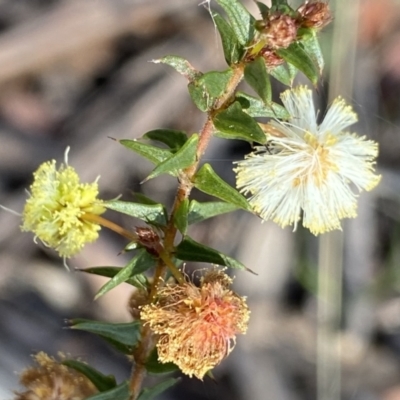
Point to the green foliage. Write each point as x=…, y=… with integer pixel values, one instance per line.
x=284, y=73
x=123, y=336
x=190, y=250
x=137, y=280
x=209, y=182
x=257, y=108
x=138, y=264
x=311, y=46
x=234, y=123
x=233, y=50
x=150, y=393
x=120, y=392
x=153, y=366
x=101, y=381
x=256, y=76
x=154, y=214
x=180, y=65
x=201, y=211
x=296, y=55
x=155, y=154
x=181, y=216
x=182, y=159
x=241, y=20
x=172, y=138
x=205, y=89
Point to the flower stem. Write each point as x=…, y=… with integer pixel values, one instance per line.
x=182, y=193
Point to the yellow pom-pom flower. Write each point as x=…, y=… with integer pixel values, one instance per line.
x=197, y=326
x=57, y=206
x=308, y=168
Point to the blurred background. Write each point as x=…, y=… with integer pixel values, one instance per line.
x=76, y=72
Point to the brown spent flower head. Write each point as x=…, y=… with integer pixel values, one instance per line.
x=50, y=380
x=280, y=31
x=197, y=326
x=315, y=14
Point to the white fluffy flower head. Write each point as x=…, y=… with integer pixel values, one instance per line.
x=309, y=168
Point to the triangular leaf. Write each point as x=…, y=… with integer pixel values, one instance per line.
x=138, y=280
x=152, y=153
x=201, y=211
x=234, y=123
x=313, y=49
x=153, y=366
x=208, y=87
x=123, y=336
x=172, y=138
x=150, y=393
x=256, y=76
x=241, y=20
x=121, y=392
x=154, y=214
x=209, y=182
x=140, y=263
x=233, y=50
x=257, y=108
x=264, y=9
x=297, y=56
x=190, y=250
x=182, y=159
x=101, y=381
x=180, y=65
x=181, y=216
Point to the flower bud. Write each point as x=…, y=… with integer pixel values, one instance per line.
x=280, y=31
x=315, y=14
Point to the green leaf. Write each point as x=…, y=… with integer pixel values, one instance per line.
x=208, y=87
x=180, y=65
x=101, y=381
x=121, y=392
x=256, y=76
x=182, y=159
x=257, y=108
x=140, y=263
x=152, y=153
x=138, y=280
x=264, y=9
x=241, y=20
x=209, y=182
x=142, y=199
x=313, y=49
x=190, y=250
x=234, y=123
x=297, y=56
x=282, y=74
x=172, y=138
x=181, y=216
x=154, y=214
x=200, y=211
x=233, y=50
x=123, y=336
x=150, y=393
x=153, y=366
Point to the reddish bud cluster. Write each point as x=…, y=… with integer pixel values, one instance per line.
x=280, y=30
x=315, y=15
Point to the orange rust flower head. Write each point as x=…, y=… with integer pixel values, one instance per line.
x=50, y=380
x=197, y=326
